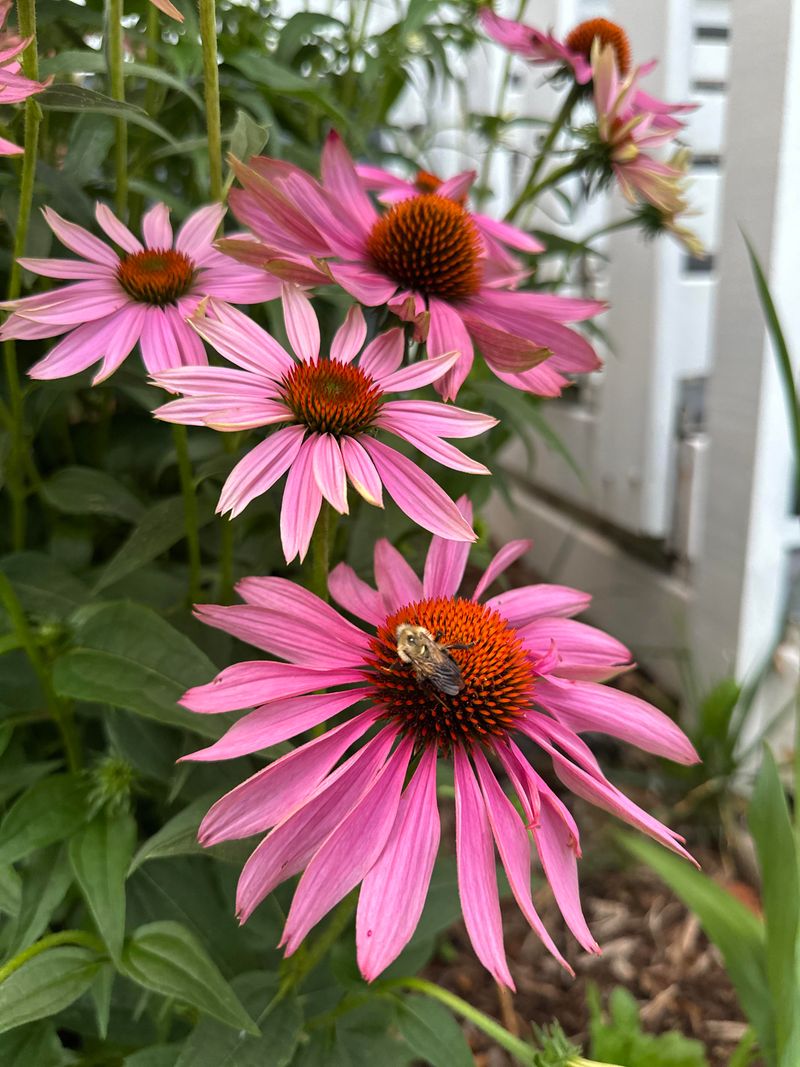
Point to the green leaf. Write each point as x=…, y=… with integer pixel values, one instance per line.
x=45, y=884
x=265, y=71
x=161, y=527
x=734, y=929
x=36, y=1045
x=178, y=836
x=433, y=1034
x=85, y=62
x=155, y=1056
x=212, y=1045
x=297, y=28
x=50, y=811
x=129, y=657
x=100, y=856
x=76, y=98
x=247, y=137
x=166, y=958
x=772, y=832
x=87, y=491
x=101, y=991
x=44, y=586
x=717, y=709
x=45, y=985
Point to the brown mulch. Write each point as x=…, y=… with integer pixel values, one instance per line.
x=651, y=945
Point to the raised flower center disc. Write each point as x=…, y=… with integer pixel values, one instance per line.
x=580, y=40
x=332, y=397
x=496, y=671
x=156, y=276
x=428, y=244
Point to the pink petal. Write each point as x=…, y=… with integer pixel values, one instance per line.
x=329, y=472
x=477, y=882
x=196, y=234
x=366, y=285
x=276, y=722
x=581, y=648
x=301, y=503
x=159, y=346
x=76, y=352
x=528, y=602
x=302, y=326
x=80, y=241
x=348, y=853
x=457, y=187
x=447, y=333
x=361, y=471
x=8, y=148
x=116, y=230
x=417, y=375
x=168, y=8
x=447, y=560
x=504, y=351
x=236, y=337
x=339, y=178
x=248, y=288
x=156, y=228
x=216, y=382
x=349, y=338
x=255, y=682
x=289, y=847
x=383, y=355
x=417, y=494
x=507, y=555
x=118, y=344
x=65, y=268
x=271, y=794
x=513, y=844
x=397, y=583
x=508, y=234
x=260, y=469
x=355, y=596
x=226, y=414
x=446, y=454
x=441, y=420
x=586, y=706
x=191, y=350
x=74, y=305
x=394, y=889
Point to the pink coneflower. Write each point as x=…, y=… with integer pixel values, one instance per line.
x=143, y=293
x=329, y=410
x=14, y=87
x=527, y=676
x=425, y=257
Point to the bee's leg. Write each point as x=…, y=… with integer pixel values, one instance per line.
x=459, y=645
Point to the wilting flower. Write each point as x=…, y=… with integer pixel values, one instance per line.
x=329, y=410
x=655, y=222
x=143, y=293
x=425, y=257
x=14, y=87
x=527, y=673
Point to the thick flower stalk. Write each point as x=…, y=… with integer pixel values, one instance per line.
x=519, y=673
x=426, y=257
x=14, y=86
x=142, y=293
x=328, y=411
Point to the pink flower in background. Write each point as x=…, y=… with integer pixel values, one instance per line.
x=525, y=672
x=14, y=87
x=143, y=293
x=328, y=410
x=425, y=257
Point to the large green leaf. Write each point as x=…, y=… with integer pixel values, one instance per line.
x=86, y=491
x=46, y=984
x=178, y=836
x=771, y=828
x=43, y=585
x=50, y=811
x=47, y=878
x=36, y=1045
x=166, y=958
x=432, y=1033
x=85, y=62
x=129, y=657
x=100, y=856
x=77, y=98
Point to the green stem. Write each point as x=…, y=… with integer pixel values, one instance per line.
x=180, y=439
x=530, y=187
x=302, y=965
x=612, y=227
x=63, y=937
x=208, y=39
x=116, y=80
x=26, y=14
x=321, y=552
x=505, y=74
x=60, y=710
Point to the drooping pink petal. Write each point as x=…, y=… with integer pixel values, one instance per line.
x=584, y=651
x=513, y=844
x=329, y=471
x=8, y=148
x=447, y=333
x=586, y=706
x=271, y=794
x=367, y=286
x=528, y=602
x=361, y=471
x=417, y=494
x=349, y=338
x=397, y=582
x=446, y=454
x=289, y=847
x=508, y=234
x=348, y=853
x=191, y=350
x=355, y=596
x=504, y=351
x=224, y=413
x=441, y=420
x=259, y=469
x=477, y=882
x=124, y=331
x=252, y=683
x=79, y=240
x=79, y=269
x=383, y=355
x=301, y=503
x=236, y=337
x=447, y=560
x=216, y=382
x=196, y=234
x=503, y=559
x=394, y=889
x=302, y=326
x=156, y=227
x=276, y=722
x=73, y=305
x=116, y=230
x=341, y=181
x=158, y=343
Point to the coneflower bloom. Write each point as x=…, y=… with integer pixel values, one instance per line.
x=342, y=815
x=425, y=257
x=14, y=87
x=328, y=411
x=144, y=292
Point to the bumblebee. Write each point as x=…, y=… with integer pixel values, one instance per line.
x=430, y=661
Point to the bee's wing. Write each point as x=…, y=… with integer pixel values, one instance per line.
x=445, y=675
